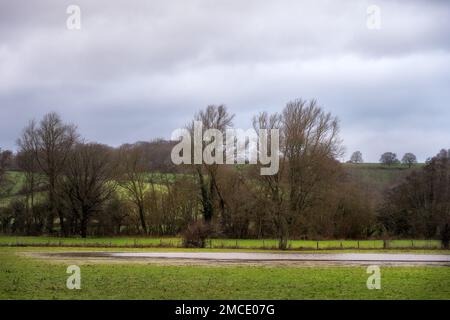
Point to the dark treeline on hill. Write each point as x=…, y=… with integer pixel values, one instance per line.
x=420, y=206
x=59, y=184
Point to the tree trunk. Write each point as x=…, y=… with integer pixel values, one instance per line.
x=142, y=218
x=445, y=236
x=283, y=235
x=84, y=223
x=61, y=223
x=52, y=208
x=208, y=210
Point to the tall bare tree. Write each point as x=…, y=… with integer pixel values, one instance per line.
x=213, y=117
x=27, y=162
x=309, y=145
x=270, y=192
x=134, y=178
x=89, y=181
x=52, y=141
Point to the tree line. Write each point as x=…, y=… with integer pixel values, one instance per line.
x=75, y=187
x=388, y=158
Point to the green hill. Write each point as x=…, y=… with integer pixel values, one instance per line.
x=376, y=178
x=373, y=177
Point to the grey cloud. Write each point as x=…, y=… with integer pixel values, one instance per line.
x=139, y=70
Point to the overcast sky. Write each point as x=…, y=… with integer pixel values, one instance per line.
x=137, y=70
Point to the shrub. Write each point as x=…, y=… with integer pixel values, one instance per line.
x=195, y=235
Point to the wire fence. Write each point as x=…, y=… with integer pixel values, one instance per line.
x=262, y=244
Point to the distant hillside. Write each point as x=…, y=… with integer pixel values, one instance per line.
x=376, y=178
x=373, y=178
x=13, y=188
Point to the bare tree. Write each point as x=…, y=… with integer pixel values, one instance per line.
x=134, y=178
x=213, y=117
x=409, y=159
x=309, y=145
x=52, y=141
x=356, y=157
x=27, y=162
x=89, y=181
x=271, y=192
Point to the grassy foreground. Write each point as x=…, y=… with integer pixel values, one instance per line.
x=29, y=278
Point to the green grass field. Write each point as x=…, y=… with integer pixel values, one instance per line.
x=219, y=243
x=376, y=177
x=30, y=278
x=15, y=182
